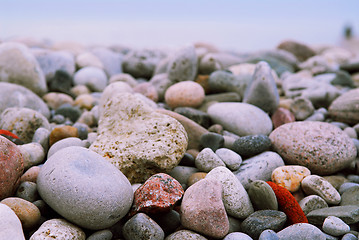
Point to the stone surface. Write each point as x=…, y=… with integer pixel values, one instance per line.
x=169, y=221
x=66, y=142
x=157, y=195
x=183, y=65
x=138, y=140
x=350, y=196
x=18, y=65
x=335, y=226
x=300, y=50
x=161, y=82
x=101, y=235
x=235, y=198
x=148, y=90
x=185, y=234
x=62, y=132
x=301, y=231
x=142, y=226
x=33, y=154
x=259, y=190
x=182, y=174
x=349, y=214
x=237, y=236
x=262, y=90
x=88, y=59
x=290, y=177
x=346, y=108
x=10, y=225
x=268, y=235
x=282, y=116
x=100, y=195
x=312, y=202
x=207, y=160
x=200, y=117
x=92, y=77
x=202, y=209
x=23, y=122
x=302, y=108
x=251, y=145
x=58, y=229
x=241, y=118
x=224, y=81
x=184, y=94
x=54, y=100
x=111, y=60
x=27, y=191
x=321, y=147
x=195, y=177
x=12, y=167
x=31, y=174
x=212, y=140
x=60, y=82
x=232, y=160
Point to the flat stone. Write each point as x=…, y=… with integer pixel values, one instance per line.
x=346, y=186
x=235, y=198
x=207, y=160
x=345, y=108
x=93, y=182
x=290, y=177
x=251, y=145
x=185, y=234
x=312, y=202
x=10, y=225
x=259, y=190
x=328, y=148
x=349, y=214
x=58, y=229
x=182, y=66
x=138, y=140
x=335, y=226
x=184, y=94
x=232, y=160
x=241, y=118
x=142, y=226
x=301, y=231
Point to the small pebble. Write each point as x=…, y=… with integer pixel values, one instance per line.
x=259, y=190
x=312, y=202
x=101, y=235
x=349, y=236
x=60, y=133
x=27, y=191
x=31, y=174
x=302, y=108
x=302, y=231
x=230, y=158
x=185, y=234
x=207, y=160
x=282, y=116
x=237, y=236
x=335, y=226
x=184, y=94
x=212, y=141
x=290, y=177
x=142, y=226
x=346, y=186
x=349, y=214
x=268, y=235
x=169, y=221
x=350, y=196
x=195, y=177
x=251, y=145
x=68, y=111
x=182, y=174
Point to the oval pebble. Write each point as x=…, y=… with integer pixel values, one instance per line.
x=345, y=108
x=185, y=94
x=101, y=235
x=212, y=140
x=268, y=235
x=259, y=190
x=207, y=160
x=185, y=234
x=301, y=231
x=251, y=145
x=237, y=236
x=282, y=116
x=183, y=65
x=290, y=177
x=10, y=225
x=27, y=191
x=142, y=226
x=92, y=77
x=335, y=226
x=230, y=158
x=312, y=202
x=60, y=133
x=63, y=143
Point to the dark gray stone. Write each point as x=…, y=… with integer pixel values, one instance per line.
x=251, y=145
x=349, y=214
x=141, y=227
x=350, y=196
x=101, y=235
x=169, y=222
x=187, y=160
x=200, y=117
x=60, y=82
x=27, y=191
x=212, y=140
x=69, y=111
x=225, y=81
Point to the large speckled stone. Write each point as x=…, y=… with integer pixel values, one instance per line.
x=138, y=140
x=58, y=229
x=321, y=147
x=346, y=107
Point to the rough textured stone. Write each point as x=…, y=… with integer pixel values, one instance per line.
x=58, y=229
x=349, y=214
x=321, y=147
x=183, y=65
x=346, y=108
x=207, y=160
x=259, y=190
x=138, y=140
x=312, y=202
x=184, y=94
x=10, y=225
x=142, y=226
x=251, y=145
x=202, y=209
x=301, y=231
x=232, y=160
x=290, y=177
x=84, y=188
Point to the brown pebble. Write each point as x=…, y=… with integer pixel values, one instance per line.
x=216, y=128
x=282, y=116
x=195, y=177
x=203, y=81
x=85, y=101
x=30, y=175
x=62, y=132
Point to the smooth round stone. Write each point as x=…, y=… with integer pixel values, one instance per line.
x=282, y=116
x=345, y=108
x=26, y=211
x=111, y=60
x=328, y=148
x=302, y=108
x=185, y=234
x=33, y=154
x=23, y=122
x=27, y=191
x=63, y=143
x=301, y=231
x=85, y=101
x=235, y=198
x=314, y=184
x=182, y=66
x=77, y=168
x=58, y=119
x=241, y=118
x=41, y=136
x=195, y=177
x=349, y=236
x=68, y=111
x=54, y=100
x=234, y=224
x=335, y=226
x=92, y=77
x=61, y=82
x=123, y=77
x=187, y=160
x=82, y=129
x=184, y=94
x=198, y=116
x=350, y=196
x=142, y=226
x=207, y=160
x=212, y=141
x=300, y=50
x=346, y=186
x=169, y=221
x=251, y=145
x=30, y=175
x=312, y=202
x=290, y=177
x=261, y=220
x=58, y=229
x=230, y=158
x=88, y=59
x=10, y=225
x=12, y=167
x=237, y=236
x=268, y=235
x=259, y=190
x=79, y=90
x=148, y=90
x=101, y=235
x=161, y=82
x=224, y=81
x=182, y=174
x=351, y=132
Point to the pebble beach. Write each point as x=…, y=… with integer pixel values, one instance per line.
x=118, y=143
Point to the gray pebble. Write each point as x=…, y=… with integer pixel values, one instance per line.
x=41, y=136
x=82, y=130
x=101, y=235
x=27, y=191
x=69, y=111
x=335, y=226
x=301, y=231
x=33, y=154
x=349, y=236
x=350, y=196
x=183, y=65
x=141, y=227
x=351, y=132
x=349, y=214
x=258, y=191
x=224, y=81
x=207, y=160
x=212, y=140
x=302, y=108
x=232, y=159
x=237, y=236
x=187, y=160
x=312, y=202
x=234, y=224
x=63, y=143
x=58, y=119
x=268, y=235
x=346, y=186
x=251, y=145
x=330, y=237
x=353, y=178
x=200, y=117
x=185, y=234
x=182, y=173
x=92, y=77
x=169, y=221
x=111, y=60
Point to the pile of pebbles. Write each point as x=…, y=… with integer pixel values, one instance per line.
x=198, y=143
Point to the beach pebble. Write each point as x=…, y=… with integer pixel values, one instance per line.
x=85, y=101
x=349, y=214
x=88, y=59
x=231, y=159
x=207, y=160
x=300, y=50
x=302, y=108
x=349, y=236
x=259, y=190
x=31, y=174
x=314, y=184
x=142, y=226
x=19, y=66
x=68, y=111
x=268, y=235
x=62, y=132
x=60, y=82
x=345, y=108
x=182, y=174
x=282, y=116
x=301, y=231
x=12, y=167
x=224, y=81
x=161, y=82
x=350, y=196
x=58, y=229
x=168, y=221
x=195, y=177
x=237, y=236
x=27, y=191
x=312, y=202
x=92, y=77
x=241, y=118
x=235, y=198
x=148, y=90
x=23, y=122
x=335, y=226
x=184, y=94
x=26, y=211
x=101, y=235
x=124, y=77
x=138, y=140
x=259, y=167
x=290, y=177
x=111, y=60
x=182, y=66
x=54, y=99
x=262, y=90
x=212, y=140
x=346, y=186
x=10, y=225
x=77, y=168
x=185, y=234
x=200, y=117
x=66, y=142
x=328, y=148
x=202, y=209
x=251, y=145
x=33, y=154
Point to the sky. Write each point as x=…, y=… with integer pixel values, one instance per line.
x=244, y=25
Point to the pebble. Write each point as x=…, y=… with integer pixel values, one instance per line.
x=312, y=202
x=200, y=117
x=61, y=82
x=301, y=231
x=124, y=77
x=336, y=180
x=268, y=235
x=147, y=90
x=231, y=159
x=182, y=174
x=349, y=214
x=144, y=143
x=78, y=90
x=58, y=229
x=224, y=81
x=300, y=50
x=54, y=100
x=185, y=234
x=202, y=209
x=185, y=94
x=12, y=167
x=235, y=198
x=328, y=148
x=349, y=236
x=302, y=108
x=251, y=145
x=31, y=174
x=262, y=90
x=63, y=132
x=314, y=184
x=21, y=67
x=85, y=101
x=241, y=118
x=111, y=60
x=142, y=226
x=41, y=136
x=259, y=190
x=33, y=154
x=92, y=77
x=335, y=226
x=168, y=221
x=68, y=111
x=261, y=220
x=345, y=108
x=195, y=177
x=161, y=82
x=259, y=167
x=183, y=65
x=237, y=236
x=290, y=177
x=77, y=168
x=282, y=116
x=350, y=196
x=26, y=211
x=63, y=143
x=101, y=235
x=88, y=59
x=207, y=160
x=346, y=186
x=27, y=191
x=222, y=97
x=10, y=225
x=212, y=140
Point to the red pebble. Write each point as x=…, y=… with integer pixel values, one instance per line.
x=288, y=204
x=158, y=194
x=282, y=116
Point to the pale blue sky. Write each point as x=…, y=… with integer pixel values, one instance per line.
x=228, y=24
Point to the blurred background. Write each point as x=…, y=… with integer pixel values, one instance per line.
x=228, y=24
